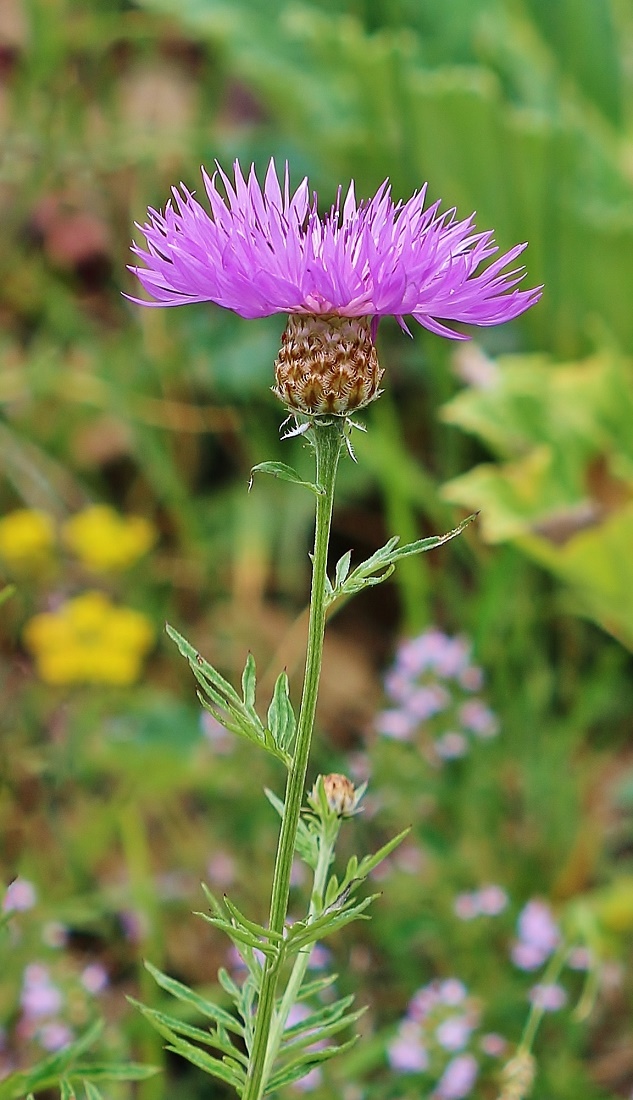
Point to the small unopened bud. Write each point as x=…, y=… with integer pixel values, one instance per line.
x=340, y=794
x=327, y=364
x=517, y=1077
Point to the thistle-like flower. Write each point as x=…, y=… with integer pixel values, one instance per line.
x=268, y=251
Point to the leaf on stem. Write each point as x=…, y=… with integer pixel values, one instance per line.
x=382, y=563
x=219, y=697
x=281, y=720
x=285, y=473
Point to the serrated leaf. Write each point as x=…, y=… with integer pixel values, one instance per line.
x=285, y=473
x=281, y=716
x=195, y=1001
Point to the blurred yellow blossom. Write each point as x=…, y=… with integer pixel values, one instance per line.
x=103, y=540
x=27, y=537
x=89, y=640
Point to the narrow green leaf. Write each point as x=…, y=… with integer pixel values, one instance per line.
x=281, y=716
x=124, y=1071
x=302, y=1066
x=325, y=1032
x=229, y=986
x=367, y=864
x=240, y=935
x=195, y=1001
x=203, y=667
x=168, y=1025
x=249, y=682
x=208, y=1063
x=66, y=1090
x=327, y=1014
x=92, y=1092
x=342, y=569
x=252, y=926
x=312, y=989
x=285, y=473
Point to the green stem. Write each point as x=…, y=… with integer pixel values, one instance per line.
x=328, y=439
x=326, y=848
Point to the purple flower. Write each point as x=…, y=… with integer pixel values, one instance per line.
x=55, y=1036
x=550, y=997
x=20, y=896
x=454, y=1032
x=458, y=1078
x=268, y=251
x=94, y=978
x=407, y=1053
x=538, y=935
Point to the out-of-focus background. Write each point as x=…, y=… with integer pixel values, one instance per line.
x=126, y=440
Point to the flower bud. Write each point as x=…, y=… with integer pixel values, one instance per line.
x=340, y=793
x=327, y=365
x=518, y=1077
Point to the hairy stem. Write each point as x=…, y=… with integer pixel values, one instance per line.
x=328, y=439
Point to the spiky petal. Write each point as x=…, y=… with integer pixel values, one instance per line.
x=264, y=251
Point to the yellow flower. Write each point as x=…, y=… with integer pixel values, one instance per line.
x=89, y=640
x=27, y=537
x=104, y=540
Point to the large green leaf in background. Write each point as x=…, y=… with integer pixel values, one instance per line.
x=562, y=489
x=510, y=110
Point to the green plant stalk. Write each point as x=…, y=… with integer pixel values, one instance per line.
x=328, y=440
x=326, y=848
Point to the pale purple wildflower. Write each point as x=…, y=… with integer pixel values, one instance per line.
x=94, y=978
x=454, y=1032
x=264, y=251
x=493, y=1045
x=20, y=896
x=430, y=688
x=452, y=991
x=451, y=745
x=489, y=901
x=538, y=935
x=311, y=1080
x=55, y=1036
x=458, y=1078
x=551, y=997
x=407, y=1053
x=40, y=997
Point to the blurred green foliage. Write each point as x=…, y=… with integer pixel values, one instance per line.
x=116, y=802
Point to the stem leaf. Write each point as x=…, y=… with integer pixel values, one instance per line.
x=201, y=1005
x=281, y=716
x=285, y=473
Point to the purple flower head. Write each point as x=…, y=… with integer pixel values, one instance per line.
x=264, y=250
x=538, y=935
x=20, y=896
x=458, y=1078
x=550, y=997
x=407, y=1053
